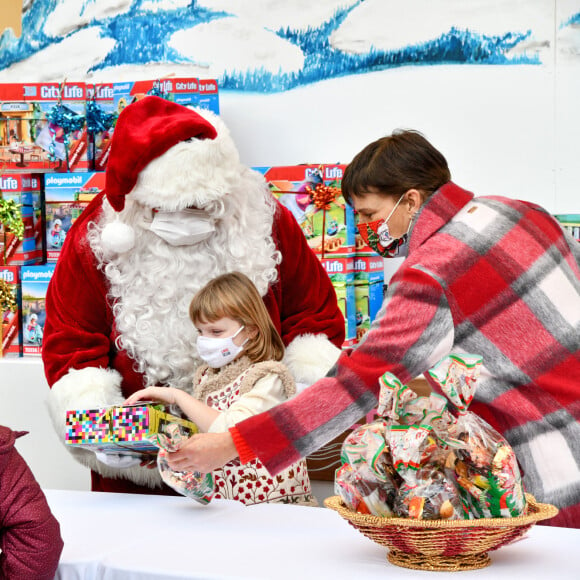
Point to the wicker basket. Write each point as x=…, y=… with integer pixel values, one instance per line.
x=442, y=544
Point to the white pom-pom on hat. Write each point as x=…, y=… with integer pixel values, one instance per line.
x=118, y=237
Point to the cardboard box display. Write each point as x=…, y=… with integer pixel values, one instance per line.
x=193, y=92
x=339, y=267
x=304, y=189
x=121, y=429
x=346, y=305
x=571, y=223
x=42, y=127
x=369, y=267
x=10, y=307
x=368, y=301
x=34, y=283
x=101, y=119
x=66, y=196
x=26, y=191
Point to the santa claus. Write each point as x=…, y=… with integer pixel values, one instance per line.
x=178, y=209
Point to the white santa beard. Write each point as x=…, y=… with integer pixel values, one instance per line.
x=153, y=284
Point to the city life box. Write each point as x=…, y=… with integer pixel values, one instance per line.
x=24, y=190
x=10, y=332
x=122, y=429
x=42, y=127
x=312, y=193
x=66, y=195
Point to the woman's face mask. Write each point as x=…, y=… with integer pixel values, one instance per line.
x=376, y=235
x=182, y=228
x=217, y=351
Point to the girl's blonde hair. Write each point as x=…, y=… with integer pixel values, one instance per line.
x=234, y=296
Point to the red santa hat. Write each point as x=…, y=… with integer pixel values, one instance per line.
x=144, y=131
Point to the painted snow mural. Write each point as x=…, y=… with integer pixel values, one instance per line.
x=270, y=46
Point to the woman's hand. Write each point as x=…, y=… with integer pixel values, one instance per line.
x=163, y=394
x=203, y=452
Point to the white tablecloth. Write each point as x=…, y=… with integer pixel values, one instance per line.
x=130, y=537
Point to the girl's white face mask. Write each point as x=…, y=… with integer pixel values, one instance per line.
x=218, y=352
x=182, y=228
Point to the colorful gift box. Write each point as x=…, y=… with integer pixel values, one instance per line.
x=42, y=126
x=34, y=282
x=122, y=429
x=66, y=196
x=339, y=267
x=346, y=305
x=312, y=194
x=27, y=246
x=10, y=305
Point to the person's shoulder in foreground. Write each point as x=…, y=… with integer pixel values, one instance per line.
x=30, y=539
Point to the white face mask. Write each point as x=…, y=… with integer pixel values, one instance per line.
x=218, y=352
x=182, y=228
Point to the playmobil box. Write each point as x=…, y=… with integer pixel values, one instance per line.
x=368, y=301
x=66, y=195
x=101, y=119
x=369, y=267
x=122, y=429
x=42, y=127
x=21, y=219
x=339, y=267
x=10, y=332
x=184, y=91
x=34, y=283
x=312, y=193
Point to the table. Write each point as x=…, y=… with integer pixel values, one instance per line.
x=128, y=537
x=21, y=150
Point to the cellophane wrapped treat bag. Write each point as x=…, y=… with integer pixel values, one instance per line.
x=423, y=459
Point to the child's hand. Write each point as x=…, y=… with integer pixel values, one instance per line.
x=163, y=394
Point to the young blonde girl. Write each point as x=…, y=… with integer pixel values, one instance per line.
x=242, y=376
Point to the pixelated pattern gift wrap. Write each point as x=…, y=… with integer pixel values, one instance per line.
x=121, y=429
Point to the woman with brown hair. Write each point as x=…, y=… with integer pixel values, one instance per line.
x=493, y=276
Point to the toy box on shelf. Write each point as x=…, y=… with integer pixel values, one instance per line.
x=34, y=282
x=66, y=196
x=368, y=289
x=122, y=429
x=571, y=223
x=42, y=127
x=101, y=119
x=10, y=332
x=312, y=194
x=21, y=219
x=341, y=271
x=194, y=92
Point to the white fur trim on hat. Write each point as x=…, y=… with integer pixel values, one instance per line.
x=93, y=388
x=309, y=357
x=118, y=237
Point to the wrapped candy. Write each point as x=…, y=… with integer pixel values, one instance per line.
x=193, y=484
x=485, y=466
x=426, y=491
x=365, y=482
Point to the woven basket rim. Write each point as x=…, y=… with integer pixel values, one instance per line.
x=537, y=511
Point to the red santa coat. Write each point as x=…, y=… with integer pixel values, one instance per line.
x=80, y=327
x=30, y=540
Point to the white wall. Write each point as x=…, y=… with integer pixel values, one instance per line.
x=23, y=391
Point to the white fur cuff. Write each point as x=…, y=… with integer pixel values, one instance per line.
x=309, y=357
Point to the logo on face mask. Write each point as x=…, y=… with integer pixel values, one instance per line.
x=218, y=352
x=182, y=228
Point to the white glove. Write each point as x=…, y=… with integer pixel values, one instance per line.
x=117, y=460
